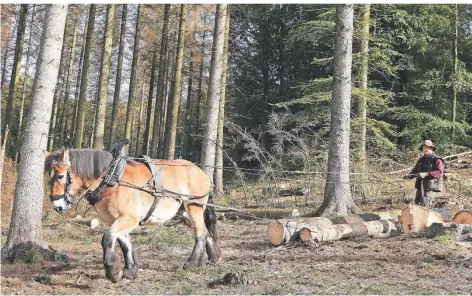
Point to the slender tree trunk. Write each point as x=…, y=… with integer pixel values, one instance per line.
x=79, y=123
x=70, y=68
x=57, y=95
x=216, y=69
x=22, y=105
x=195, y=140
x=168, y=114
x=140, y=117
x=5, y=55
x=160, y=85
x=188, y=115
x=337, y=195
x=99, y=132
x=25, y=236
x=170, y=148
x=454, y=69
x=361, y=103
x=164, y=107
x=147, y=128
x=116, y=98
x=132, y=83
x=221, y=112
x=77, y=87
x=20, y=36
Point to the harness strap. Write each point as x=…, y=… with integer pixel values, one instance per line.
x=110, y=179
x=157, y=186
x=154, y=173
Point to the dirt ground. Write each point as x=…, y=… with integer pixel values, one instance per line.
x=406, y=264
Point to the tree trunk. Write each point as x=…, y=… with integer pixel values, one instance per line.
x=211, y=120
x=57, y=95
x=99, y=132
x=25, y=234
x=22, y=105
x=10, y=110
x=5, y=55
x=77, y=88
x=454, y=69
x=116, y=98
x=170, y=148
x=132, y=83
x=221, y=112
x=80, y=118
x=158, y=109
x=70, y=68
x=188, y=115
x=140, y=117
x=2, y=155
x=169, y=96
x=195, y=140
x=149, y=116
x=361, y=102
x=337, y=195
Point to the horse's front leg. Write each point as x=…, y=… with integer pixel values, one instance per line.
x=111, y=261
x=131, y=265
x=120, y=230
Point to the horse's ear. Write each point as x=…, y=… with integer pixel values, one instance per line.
x=65, y=155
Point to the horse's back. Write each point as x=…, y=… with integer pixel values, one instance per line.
x=462, y=218
x=183, y=176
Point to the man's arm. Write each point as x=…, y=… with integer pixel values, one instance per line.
x=438, y=173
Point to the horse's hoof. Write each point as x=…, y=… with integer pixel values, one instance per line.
x=190, y=265
x=130, y=273
x=114, y=274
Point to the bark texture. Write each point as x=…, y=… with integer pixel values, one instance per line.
x=211, y=121
x=337, y=194
x=25, y=228
x=99, y=131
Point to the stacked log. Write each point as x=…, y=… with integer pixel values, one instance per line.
x=328, y=228
x=414, y=218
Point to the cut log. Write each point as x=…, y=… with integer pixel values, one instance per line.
x=283, y=231
x=318, y=233
x=415, y=218
x=463, y=217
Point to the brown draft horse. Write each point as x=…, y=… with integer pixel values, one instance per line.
x=122, y=207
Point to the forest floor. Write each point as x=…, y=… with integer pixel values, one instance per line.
x=413, y=263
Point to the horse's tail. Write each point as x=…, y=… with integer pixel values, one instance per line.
x=211, y=218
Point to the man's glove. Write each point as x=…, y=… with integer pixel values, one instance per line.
x=408, y=177
x=423, y=175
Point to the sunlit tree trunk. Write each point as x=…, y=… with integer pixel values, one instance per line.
x=212, y=109
x=158, y=110
x=70, y=68
x=22, y=105
x=25, y=236
x=80, y=118
x=20, y=37
x=132, y=83
x=116, y=98
x=99, y=132
x=177, y=85
x=337, y=195
x=221, y=112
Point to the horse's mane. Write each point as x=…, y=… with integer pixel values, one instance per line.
x=86, y=163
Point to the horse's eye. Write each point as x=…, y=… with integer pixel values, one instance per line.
x=60, y=176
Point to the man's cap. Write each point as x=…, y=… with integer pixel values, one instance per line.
x=428, y=143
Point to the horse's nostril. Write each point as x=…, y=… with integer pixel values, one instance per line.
x=59, y=209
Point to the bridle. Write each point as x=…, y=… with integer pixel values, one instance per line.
x=67, y=196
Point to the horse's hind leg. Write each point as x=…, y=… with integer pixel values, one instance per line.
x=212, y=241
x=131, y=265
x=111, y=261
x=195, y=213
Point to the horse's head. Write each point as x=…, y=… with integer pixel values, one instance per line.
x=64, y=183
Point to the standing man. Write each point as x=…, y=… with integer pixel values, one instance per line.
x=429, y=172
